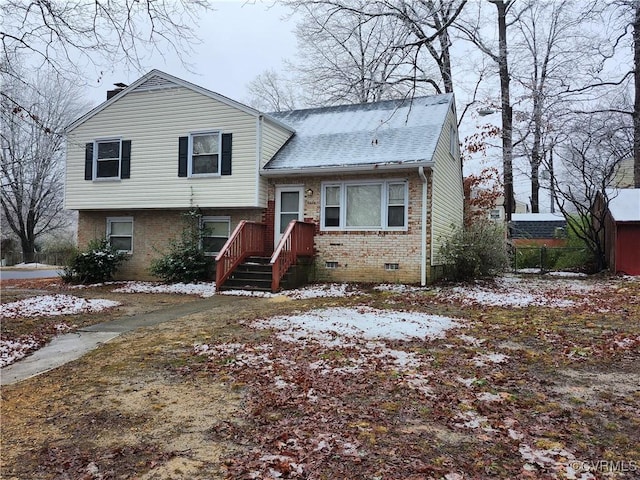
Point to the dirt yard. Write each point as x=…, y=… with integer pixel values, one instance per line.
x=249, y=389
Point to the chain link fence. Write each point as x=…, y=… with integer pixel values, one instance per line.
x=547, y=259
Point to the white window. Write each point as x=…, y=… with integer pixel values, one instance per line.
x=364, y=206
x=106, y=158
x=215, y=233
x=120, y=233
x=204, y=153
x=495, y=214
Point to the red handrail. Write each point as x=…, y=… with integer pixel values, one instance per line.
x=296, y=241
x=247, y=239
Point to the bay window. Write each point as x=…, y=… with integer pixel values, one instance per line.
x=372, y=205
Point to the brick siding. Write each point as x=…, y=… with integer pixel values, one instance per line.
x=361, y=256
x=152, y=232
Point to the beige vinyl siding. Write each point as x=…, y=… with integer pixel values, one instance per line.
x=153, y=120
x=447, y=196
x=273, y=138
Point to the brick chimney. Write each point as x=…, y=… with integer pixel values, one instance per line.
x=119, y=87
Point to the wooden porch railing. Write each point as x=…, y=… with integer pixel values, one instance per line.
x=246, y=240
x=296, y=241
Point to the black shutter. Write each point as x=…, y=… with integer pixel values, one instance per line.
x=88, y=161
x=226, y=154
x=125, y=165
x=183, y=153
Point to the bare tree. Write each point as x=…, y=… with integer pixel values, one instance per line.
x=590, y=158
x=32, y=156
x=471, y=28
x=549, y=44
x=272, y=92
x=362, y=51
x=618, y=72
x=69, y=37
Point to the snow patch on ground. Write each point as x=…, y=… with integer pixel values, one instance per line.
x=398, y=288
x=482, y=360
x=330, y=290
x=13, y=350
x=363, y=323
x=208, y=289
x=513, y=291
x=346, y=341
x=202, y=289
x=52, y=305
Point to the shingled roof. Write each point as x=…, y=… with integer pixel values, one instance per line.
x=536, y=225
x=387, y=133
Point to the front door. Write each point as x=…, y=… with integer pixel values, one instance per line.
x=289, y=206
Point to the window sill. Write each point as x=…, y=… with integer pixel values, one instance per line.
x=204, y=175
x=107, y=179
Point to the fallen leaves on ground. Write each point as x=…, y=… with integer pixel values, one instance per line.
x=535, y=389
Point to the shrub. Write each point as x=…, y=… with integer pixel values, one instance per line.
x=185, y=261
x=97, y=264
x=478, y=250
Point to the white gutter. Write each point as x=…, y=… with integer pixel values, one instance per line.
x=423, y=261
x=258, y=157
x=332, y=170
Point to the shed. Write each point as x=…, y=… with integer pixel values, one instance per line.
x=622, y=227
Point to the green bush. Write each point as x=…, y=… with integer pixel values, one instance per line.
x=478, y=250
x=185, y=261
x=97, y=264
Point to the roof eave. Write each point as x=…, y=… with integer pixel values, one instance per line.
x=333, y=169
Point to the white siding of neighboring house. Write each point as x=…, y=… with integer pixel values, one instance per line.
x=448, y=195
x=153, y=120
x=624, y=175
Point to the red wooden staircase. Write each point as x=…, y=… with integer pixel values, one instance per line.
x=243, y=262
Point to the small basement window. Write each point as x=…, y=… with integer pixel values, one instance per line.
x=215, y=233
x=331, y=265
x=120, y=233
x=392, y=266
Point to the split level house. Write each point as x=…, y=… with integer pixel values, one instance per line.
x=363, y=193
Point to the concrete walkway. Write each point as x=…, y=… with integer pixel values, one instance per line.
x=71, y=346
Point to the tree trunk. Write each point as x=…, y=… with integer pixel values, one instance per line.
x=507, y=113
x=28, y=250
x=535, y=185
x=445, y=65
x=636, y=107
x=552, y=188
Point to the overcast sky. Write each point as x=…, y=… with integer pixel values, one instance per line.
x=240, y=40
